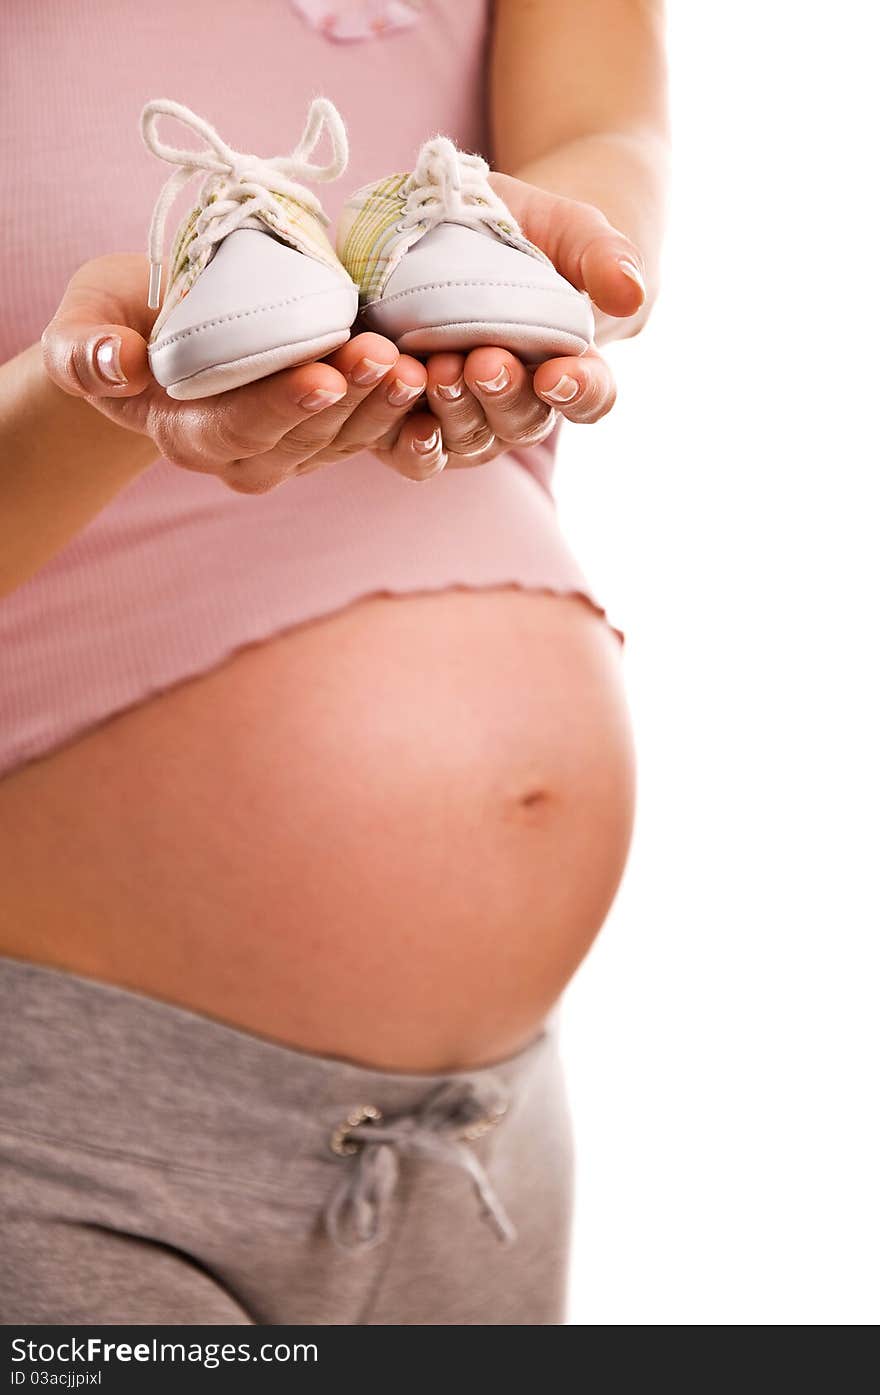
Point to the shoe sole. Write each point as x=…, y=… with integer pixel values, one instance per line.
x=238, y=372
x=532, y=343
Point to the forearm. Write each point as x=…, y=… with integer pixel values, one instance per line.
x=61, y=462
x=579, y=110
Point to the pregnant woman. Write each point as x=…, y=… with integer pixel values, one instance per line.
x=314, y=797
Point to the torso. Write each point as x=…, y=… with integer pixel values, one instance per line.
x=390, y=835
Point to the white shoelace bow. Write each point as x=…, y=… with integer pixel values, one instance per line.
x=450, y=186
x=243, y=184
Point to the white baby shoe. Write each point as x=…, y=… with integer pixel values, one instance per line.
x=254, y=284
x=442, y=264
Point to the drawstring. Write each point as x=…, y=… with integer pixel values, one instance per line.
x=238, y=185
x=450, y=186
x=440, y=1130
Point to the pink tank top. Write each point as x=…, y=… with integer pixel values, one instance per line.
x=179, y=572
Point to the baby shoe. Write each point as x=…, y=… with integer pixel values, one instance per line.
x=442, y=264
x=254, y=284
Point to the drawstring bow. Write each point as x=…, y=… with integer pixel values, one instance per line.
x=357, y=1214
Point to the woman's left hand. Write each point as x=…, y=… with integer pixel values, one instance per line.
x=488, y=402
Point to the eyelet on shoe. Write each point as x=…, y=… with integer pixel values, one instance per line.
x=341, y=1141
x=484, y=1125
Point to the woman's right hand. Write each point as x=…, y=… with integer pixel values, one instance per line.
x=254, y=437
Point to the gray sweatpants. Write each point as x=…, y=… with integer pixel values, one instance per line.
x=159, y=1167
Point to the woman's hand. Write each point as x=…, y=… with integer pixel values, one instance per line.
x=361, y=397
x=253, y=437
x=489, y=402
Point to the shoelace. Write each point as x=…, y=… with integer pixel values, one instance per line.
x=450, y=186
x=242, y=184
x=360, y=1204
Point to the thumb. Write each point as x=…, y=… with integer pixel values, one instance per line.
x=87, y=351
x=581, y=243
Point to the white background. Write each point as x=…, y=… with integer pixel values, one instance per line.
x=722, y=1038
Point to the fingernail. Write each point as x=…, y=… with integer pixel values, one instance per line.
x=368, y=371
x=632, y=271
x=400, y=393
x=451, y=391
x=107, y=360
x=428, y=444
x=566, y=390
x=320, y=398
x=498, y=383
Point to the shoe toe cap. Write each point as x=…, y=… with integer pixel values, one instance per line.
x=463, y=289
x=257, y=296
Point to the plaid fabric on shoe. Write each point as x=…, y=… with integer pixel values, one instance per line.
x=287, y=219
x=382, y=221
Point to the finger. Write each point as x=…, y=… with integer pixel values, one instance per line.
x=95, y=344
x=360, y=365
x=223, y=434
x=471, y=462
x=418, y=452
x=343, y=381
x=363, y=363
x=466, y=431
x=503, y=388
x=610, y=269
x=582, y=389
x=583, y=246
x=382, y=412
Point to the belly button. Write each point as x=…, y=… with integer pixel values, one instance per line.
x=533, y=798
x=528, y=803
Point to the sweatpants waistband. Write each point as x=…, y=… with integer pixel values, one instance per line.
x=171, y=1084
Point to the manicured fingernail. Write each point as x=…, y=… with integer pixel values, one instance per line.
x=451, y=391
x=400, y=393
x=428, y=444
x=498, y=383
x=632, y=271
x=107, y=360
x=320, y=398
x=566, y=390
x=368, y=371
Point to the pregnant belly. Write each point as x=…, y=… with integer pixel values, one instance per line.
x=390, y=835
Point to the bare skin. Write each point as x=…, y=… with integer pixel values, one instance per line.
x=416, y=882
x=416, y=895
